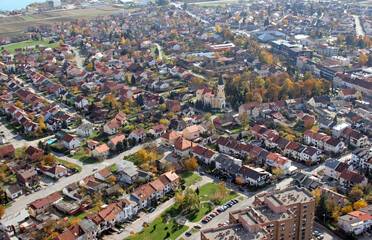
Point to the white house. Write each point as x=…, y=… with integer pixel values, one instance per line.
x=80, y=102
x=101, y=151
x=138, y=134
x=103, y=174
x=13, y=191
x=71, y=141
x=85, y=130
x=56, y=171
x=111, y=127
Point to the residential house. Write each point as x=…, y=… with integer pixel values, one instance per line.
x=7, y=151
x=139, y=135
x=80, y=102
x=253, y=176
x=173, y=106
x=13, y=191
x=103, y=174
x=350, y=178
x=191, y=132
x=158, y=130
x=169, y=138
x=356, y=222
x=126, y=172
x=101, y=151
x=276, y=160
x=355, y=138
x=39, y=206
x=111, y=127
x=349, y=93
x=310, y=154
x=57, y=171
x=71, y=141
x=252, y=109
x=338, y=198
x=183, y=147
x=34, y=153
x=28, y=178
x=114, y=141
x=85, y=130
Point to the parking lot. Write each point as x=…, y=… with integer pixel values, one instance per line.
x=221, y=218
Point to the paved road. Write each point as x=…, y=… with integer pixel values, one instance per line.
x=87, y=170
x=79, y=61
x=159, y=50
x=328, y=235
x=358, y=27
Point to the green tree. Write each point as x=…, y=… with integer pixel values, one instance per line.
x=321, y=211
x=191, y=200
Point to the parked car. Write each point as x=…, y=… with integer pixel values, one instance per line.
x=197, y=226
x=188, y=234
x=151, y=210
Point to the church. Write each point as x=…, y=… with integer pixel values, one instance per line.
x=216, y=99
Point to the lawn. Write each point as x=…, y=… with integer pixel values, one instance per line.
x=160, y=228
x=80, y=155
x=206, y=208
x=68, y=164
x=190, y=178
x=11, y=48
x=19, y=152
x=81, y=215
x=207, y=190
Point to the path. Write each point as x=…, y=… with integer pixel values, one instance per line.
x=79, y=61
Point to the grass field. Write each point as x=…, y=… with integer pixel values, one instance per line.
x=206, y=208
x=190, y=178
x=68, y=164
x=11, y=47
x=12, y=26
x=161, y=228
x=207, y=190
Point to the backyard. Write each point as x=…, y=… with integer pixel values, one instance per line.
x=190, y=178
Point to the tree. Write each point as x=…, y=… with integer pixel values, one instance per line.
x=191, y=200
x=2, y=210
x=221, y=192
x=363, y=59
x=360, y=204
x=111, y=180
x=120, y=146
x=217, y=28
x=42, y=125
x=244, y=121
x=191, y=164
x=335, y=214
x=355, y=195
x=164, y=121
x=19, y=104
x=239, y=180
x=74, y=221
x=141, y=155
x=89, y=67
x=322, y=207
x=347, y=209
x=207, y=117
x=64, y=124
x=179, y=198
x=162, y=107
x=267, y=22
x=48, y=159
x=278, y=172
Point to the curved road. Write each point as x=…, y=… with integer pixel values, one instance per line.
x=87, y=170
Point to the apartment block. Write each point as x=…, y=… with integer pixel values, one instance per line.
x=280, y=215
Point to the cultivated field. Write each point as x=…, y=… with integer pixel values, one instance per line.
x=10, y=26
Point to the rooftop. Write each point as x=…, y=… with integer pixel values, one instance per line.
x=231, y=231
x=287, y=196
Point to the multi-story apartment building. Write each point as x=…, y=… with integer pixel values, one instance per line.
x=280, y=215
